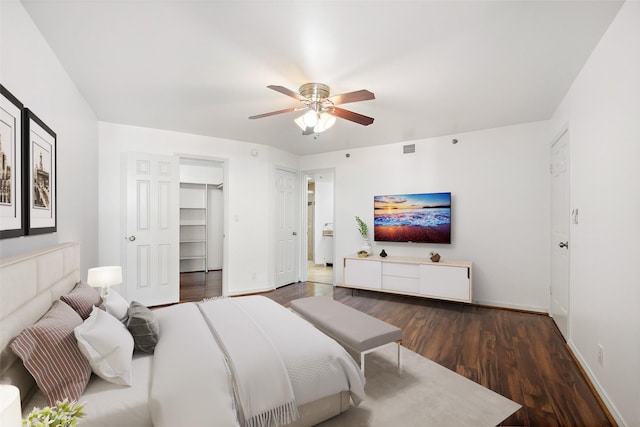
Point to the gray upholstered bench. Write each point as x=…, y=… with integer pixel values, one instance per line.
x=355, y=330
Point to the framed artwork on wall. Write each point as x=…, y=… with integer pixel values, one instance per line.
x=40, y=172
x=12, y=222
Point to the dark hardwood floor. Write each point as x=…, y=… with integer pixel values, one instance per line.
x=519, y=355
x=199, y=285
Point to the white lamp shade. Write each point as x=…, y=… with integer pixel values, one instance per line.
x=10, y=412
x=103, y=277
x=300, y=123
x=325, y=122
x=310, y=118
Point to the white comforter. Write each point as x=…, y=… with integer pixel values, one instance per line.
x=192, y=383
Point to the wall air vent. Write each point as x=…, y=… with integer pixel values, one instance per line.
x=407, y=149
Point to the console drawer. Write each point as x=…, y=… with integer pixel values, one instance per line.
x=402, y=270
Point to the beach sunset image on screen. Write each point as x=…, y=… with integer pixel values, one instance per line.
x=419, y=218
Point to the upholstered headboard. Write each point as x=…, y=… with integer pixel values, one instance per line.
x=29, y=283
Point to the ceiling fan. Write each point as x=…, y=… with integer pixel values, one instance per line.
x=321, y=110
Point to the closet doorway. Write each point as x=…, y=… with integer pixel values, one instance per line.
x=319, y=222
x=201, y=228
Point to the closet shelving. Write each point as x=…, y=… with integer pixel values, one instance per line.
x=193, y=227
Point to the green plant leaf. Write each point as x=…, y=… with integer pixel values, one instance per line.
x=362, y=227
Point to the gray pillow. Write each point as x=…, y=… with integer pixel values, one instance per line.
x=143, y=326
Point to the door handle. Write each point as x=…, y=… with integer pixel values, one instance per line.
x=564, y=245
x=295, y=233
x=131, y=238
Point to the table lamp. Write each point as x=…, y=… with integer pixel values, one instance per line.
x=10, y=412
x=104, y=277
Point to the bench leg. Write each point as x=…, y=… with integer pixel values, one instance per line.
x=363, y=353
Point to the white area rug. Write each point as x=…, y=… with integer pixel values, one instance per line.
x=424, y=394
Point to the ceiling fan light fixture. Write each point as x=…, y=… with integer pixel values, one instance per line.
x=325, y=122
x=300, y=123
x=320, y=108
x=310, y=118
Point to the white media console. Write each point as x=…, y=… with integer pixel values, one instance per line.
x=447, y=279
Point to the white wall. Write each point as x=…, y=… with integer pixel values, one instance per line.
x=248, y=187
x=603, y=112
x=500, y=209
x=32, y=73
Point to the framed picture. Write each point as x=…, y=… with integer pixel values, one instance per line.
x=40, y=175
x=12, y=222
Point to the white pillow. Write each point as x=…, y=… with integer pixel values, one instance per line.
x=115, y=305
x=107, y=345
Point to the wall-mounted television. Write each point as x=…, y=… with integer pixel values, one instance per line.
x=419, y=218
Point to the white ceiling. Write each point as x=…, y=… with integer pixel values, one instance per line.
x=436, y=67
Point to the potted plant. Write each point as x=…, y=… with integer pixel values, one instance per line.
x=434, y=256
x=362, y=227
x=364, y=232
x=63, y=414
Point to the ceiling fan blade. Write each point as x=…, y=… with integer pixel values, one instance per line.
x=273, y=113
x=358, y=95
x=283, y=90
x=351, y=116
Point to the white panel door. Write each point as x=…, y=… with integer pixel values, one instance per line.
x=152, y=229
x=286, y=236
x=215, y=228
x=560, y=218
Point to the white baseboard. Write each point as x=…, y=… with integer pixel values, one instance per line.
x=594, y=381
x=500, y=304
x=250, y=291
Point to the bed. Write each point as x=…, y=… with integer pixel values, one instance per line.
x=228, y=361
